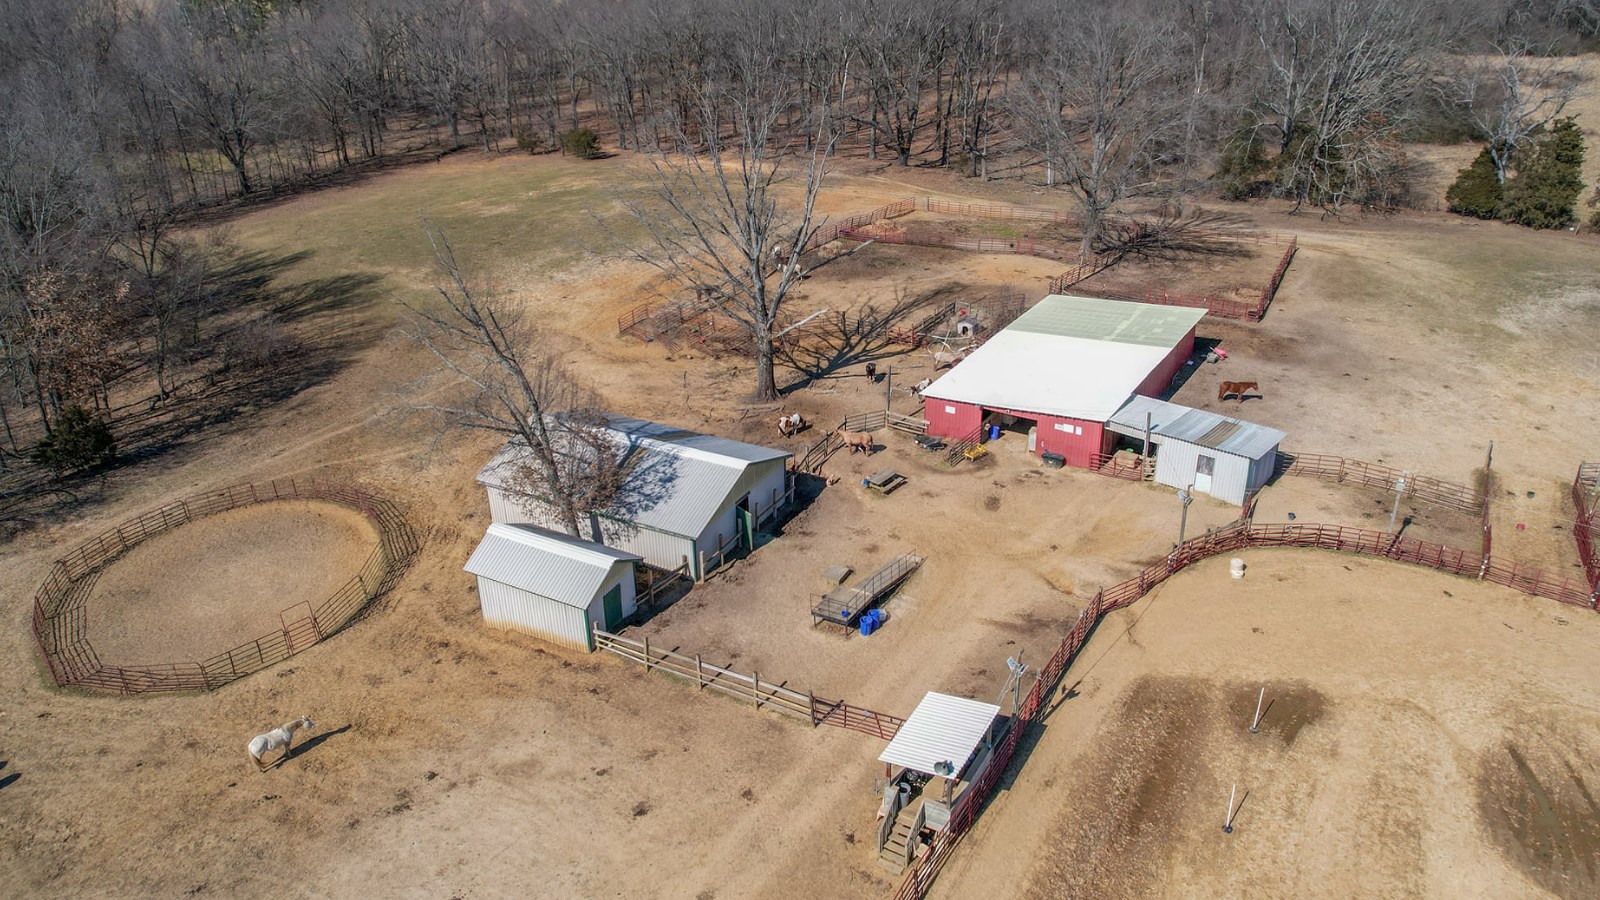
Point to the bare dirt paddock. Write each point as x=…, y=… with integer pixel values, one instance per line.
x=1425, y=736
x=452, y=760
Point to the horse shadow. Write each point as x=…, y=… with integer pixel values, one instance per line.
x=313, y=743
x=8, y=780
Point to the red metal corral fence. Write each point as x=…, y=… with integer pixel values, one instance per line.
x=1586, y=499
x=1239, y=536
x=60, y=629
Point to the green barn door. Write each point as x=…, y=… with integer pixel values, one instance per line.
x=747, y=529
x=613, y=604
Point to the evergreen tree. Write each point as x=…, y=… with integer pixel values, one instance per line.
x=1476, y=191
x=1544, y=191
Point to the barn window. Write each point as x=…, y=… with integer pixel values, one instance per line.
x=1077, y=429
x=950, y=410
x=1062, y=426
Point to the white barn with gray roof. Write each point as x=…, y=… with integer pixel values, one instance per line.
x=687, y=496
x=551, y=585
x=1222, y=457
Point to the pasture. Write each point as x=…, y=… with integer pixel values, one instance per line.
x=454, y=760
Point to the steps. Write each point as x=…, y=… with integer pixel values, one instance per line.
x=892, y=855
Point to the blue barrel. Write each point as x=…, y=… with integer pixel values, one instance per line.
x=866, y=624
x=994, y=432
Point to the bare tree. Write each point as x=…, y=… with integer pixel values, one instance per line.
x=500, y=378
x=1101, y=107
x=1511, y=97
x=715, y=220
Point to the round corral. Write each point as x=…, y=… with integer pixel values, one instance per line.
x=212, y=588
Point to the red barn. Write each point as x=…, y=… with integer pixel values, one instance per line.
x=1066, y=366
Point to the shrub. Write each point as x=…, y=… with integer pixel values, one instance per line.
x=80, y=440
x=1545, y=189
x=1476, y=191
x=1243, y=164
x=531, y=143
x=582, y=143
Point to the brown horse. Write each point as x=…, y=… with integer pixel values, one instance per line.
x=1238, y=388
x=856, y=440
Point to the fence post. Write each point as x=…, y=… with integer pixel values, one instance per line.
x=811, y=699
x=646, y=653
x=756, y=691
x=699, y=674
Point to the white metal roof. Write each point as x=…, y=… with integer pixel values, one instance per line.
x=1173, y=421
x=561, y=567
x=680, y=480
x=942, y=729
x=1068, y=356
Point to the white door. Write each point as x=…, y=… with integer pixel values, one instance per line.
x=1204, y=467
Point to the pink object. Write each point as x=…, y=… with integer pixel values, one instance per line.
x=1521, y=527
x=1220, y=352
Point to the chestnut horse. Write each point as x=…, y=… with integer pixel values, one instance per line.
x=856, y=440
x=1238, y=388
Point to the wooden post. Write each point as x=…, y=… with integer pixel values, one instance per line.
x=811, y=699
x=699, y=673
x=757, y=690
x=646, y=659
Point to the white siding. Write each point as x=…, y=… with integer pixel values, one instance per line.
x=768, y=492
x=511, y=509
x=506, y=607
x=1176, y=462
x=664, y=551
x=1261, y=469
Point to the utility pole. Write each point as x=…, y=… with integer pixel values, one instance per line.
x=1183, y=523
x=1399, y=488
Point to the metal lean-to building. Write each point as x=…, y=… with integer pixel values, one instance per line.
x=1068, y=364
x=550, y=585
x=1223, y=457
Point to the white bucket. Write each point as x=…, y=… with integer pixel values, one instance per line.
x=1236, y=568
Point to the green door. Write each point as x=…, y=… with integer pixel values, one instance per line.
x=747, y=529
x=613, y=604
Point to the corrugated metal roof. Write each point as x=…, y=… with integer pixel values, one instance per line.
x=1050, y=374
x=1196, y=426
x=941, y=729
x=1095, y=319
x=561, y=567
x=680, y=480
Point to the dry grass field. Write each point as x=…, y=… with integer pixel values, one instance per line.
x=451, y=760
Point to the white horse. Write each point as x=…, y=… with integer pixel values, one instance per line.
x=791, y=424
x=921, y=386
x=280, y=738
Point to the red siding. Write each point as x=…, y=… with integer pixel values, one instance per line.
x=1161, y=377
x=958, y=424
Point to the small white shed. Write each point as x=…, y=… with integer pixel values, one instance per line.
x=550, y=585
x=687, y=496
x=1222, y=457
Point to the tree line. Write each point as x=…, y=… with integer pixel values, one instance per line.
x=121, y=118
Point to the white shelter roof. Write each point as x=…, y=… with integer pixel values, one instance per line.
x=942, y=729
x=1196, y=426
x=558, y=566
x=1038, y=365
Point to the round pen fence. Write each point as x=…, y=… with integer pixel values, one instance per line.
x=60, y=624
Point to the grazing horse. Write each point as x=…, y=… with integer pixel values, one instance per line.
x=856, y=440
x=921, y=386
x=792, y=424
x=1238, y=388
x=280, y=738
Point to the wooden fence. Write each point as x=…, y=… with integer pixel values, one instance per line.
x=1421, y=488
x=1233, y=538
x=60, y=629
x=762, y=694
x=1586, y=500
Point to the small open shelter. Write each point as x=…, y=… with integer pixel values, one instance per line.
x=945, y=737
x=551, y=585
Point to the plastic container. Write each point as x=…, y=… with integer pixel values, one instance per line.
x=1236, y=568
x=866, y=625
x=994, y=432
